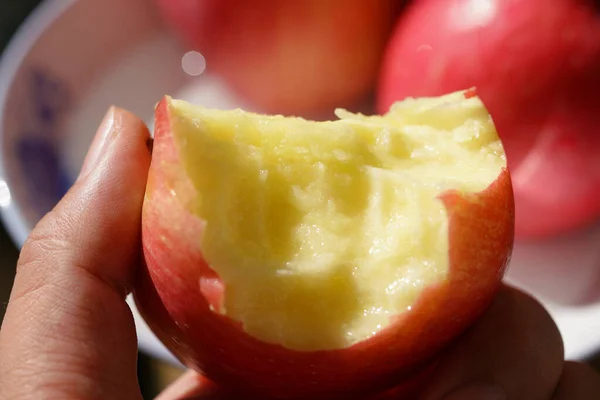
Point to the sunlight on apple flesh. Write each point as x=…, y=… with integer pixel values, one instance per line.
x=322, y=232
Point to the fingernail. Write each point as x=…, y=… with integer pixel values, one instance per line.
x=99, y=143
x=477, y=392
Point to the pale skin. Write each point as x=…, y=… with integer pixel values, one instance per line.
x=68, y=332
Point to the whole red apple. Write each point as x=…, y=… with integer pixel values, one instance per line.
x=536, y=65
x=291, y=57
x=296, y=259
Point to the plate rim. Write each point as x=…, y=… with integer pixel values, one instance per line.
x=11, y=60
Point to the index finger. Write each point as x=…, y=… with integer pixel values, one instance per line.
x=515, y=351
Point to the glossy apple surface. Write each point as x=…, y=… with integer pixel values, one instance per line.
x=536, y=65
x=433, y=254
x=290, y=57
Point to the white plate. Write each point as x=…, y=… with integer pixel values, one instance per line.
x=73, y=59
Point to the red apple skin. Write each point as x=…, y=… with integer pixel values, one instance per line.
x=169, y=296
x=289, y=57
x=536, y=66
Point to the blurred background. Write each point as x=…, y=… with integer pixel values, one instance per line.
x=536, y=64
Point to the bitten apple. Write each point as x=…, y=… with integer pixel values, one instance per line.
x=536, y=65
x=291, y=57
x=322, y=260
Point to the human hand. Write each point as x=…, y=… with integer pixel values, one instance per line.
x=69, y=334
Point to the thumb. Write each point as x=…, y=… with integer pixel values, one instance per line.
x=68, y=332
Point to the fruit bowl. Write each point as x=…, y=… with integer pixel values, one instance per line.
x=74, y=58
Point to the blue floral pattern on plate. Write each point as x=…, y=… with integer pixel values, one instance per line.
x=37, y=147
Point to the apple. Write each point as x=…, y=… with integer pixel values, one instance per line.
x=291, y=57
x=297, y=259
x=536, y=66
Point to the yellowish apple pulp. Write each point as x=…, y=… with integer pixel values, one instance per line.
x=323, y=231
